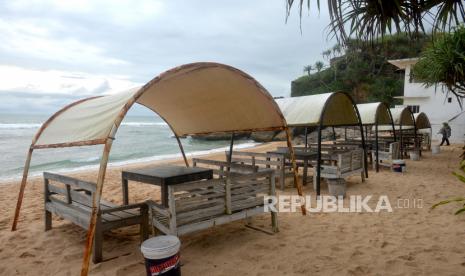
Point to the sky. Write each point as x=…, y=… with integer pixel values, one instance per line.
x=53, y=52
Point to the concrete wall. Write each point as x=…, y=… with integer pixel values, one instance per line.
x=434, y=102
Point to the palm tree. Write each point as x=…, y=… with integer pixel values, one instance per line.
x=308, y=69
x=319, y=65
x=326, y=54
x=337, y=49
x=371, y=19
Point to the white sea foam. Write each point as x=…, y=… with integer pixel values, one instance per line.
x=35, y=125
x=19, y=126
x=137, y=160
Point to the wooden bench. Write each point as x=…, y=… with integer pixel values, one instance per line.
x=223, y=168
x=71, y=199
x=199, y=205
x=342, y=164
x=386, y=154
x=263, y=161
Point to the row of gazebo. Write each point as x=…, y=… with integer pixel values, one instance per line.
x=338, y=110
x=206, y=98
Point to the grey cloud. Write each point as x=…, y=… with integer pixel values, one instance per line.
x=250, y=35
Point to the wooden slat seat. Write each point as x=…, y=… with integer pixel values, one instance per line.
x=387, y=154
x=264, y=161
x=199, y=205
x=342, y=164
x=71, y=199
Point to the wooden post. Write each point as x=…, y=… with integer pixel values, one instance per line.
x=231, y=145
x=401, y=146
x=294, y=168
x=274, y=215
x=95, y=207
x=318, y=161
x=22, y=188
x=182, y=150
x=377, y=147
x=306, y=137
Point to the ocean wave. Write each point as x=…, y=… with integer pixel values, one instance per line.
x=74, y=162
x=19, y=126
x=37, y=125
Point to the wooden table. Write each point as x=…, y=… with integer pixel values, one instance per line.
x=304, y=156
x=163, y=176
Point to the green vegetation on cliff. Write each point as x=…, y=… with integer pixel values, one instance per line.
x=361, y=69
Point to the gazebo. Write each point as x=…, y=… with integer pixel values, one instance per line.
x=375, y=115
x=197, y=98
x=404, y=120
x=422, y=123
x=336, y=109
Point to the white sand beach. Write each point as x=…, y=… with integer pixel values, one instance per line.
x=408, y=241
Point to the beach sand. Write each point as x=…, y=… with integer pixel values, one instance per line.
x=408, y=241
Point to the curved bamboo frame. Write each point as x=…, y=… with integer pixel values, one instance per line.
x=376, y=124
x=320, y=127
x=406, y=109
x=110, y=137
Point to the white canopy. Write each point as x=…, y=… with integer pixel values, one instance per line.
x=402, y=116
x=421, y=120
x=334, y=109
x=374, y=113
x=197, y=98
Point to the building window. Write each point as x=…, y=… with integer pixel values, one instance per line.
x=449, y=100
x=411, y=76
x=414, y=108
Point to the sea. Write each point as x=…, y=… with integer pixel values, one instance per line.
x=139, y=139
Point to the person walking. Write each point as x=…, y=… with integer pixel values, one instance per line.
x=445, y=131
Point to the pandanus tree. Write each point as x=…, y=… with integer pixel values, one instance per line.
x=443, y=63
x=370, y=19
x=308, y=69
x=319, y=66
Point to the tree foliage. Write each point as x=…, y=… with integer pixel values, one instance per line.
x=369, y=20
x=362, y=70
x=460, y=177
x=443, y=62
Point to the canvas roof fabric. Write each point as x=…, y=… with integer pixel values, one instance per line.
x=402, y=116
x=421, y=120
x=335, y=109
x=196, y=98
x=372, y=113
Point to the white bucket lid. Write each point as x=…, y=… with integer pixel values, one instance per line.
x=398, y=162
x=160, y=247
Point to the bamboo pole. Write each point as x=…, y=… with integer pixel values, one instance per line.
x=294, y=168
x=231, y=145
x=22, y=188
x=95, y=207
x=377, y=146
x=306, y=137
x=182, y=150
x=318, y=161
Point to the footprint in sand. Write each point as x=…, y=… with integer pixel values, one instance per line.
x=26, y=255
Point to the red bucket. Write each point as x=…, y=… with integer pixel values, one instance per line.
x=161, y=255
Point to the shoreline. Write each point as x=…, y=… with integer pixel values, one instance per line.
x=134, y=162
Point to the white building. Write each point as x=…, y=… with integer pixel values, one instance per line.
x=437, y=104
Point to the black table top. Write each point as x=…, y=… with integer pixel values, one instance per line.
x=167, y=172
